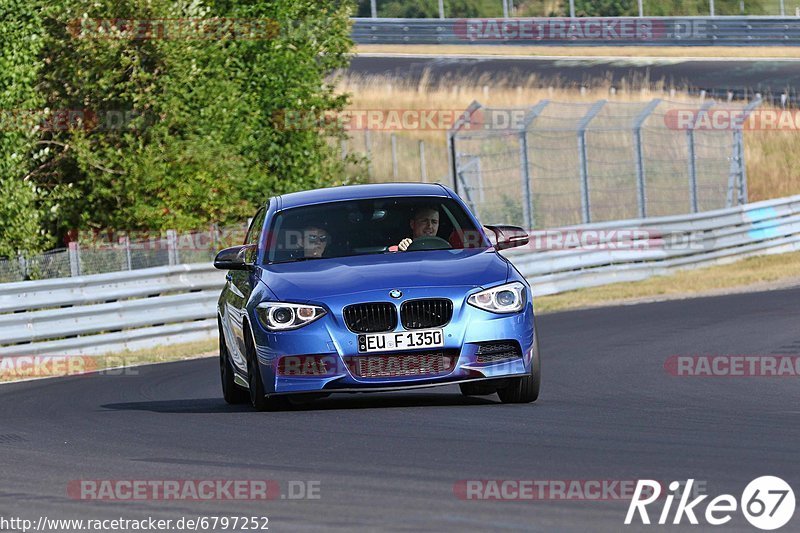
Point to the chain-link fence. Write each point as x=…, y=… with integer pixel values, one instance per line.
x=98, y=253
x=557, y=164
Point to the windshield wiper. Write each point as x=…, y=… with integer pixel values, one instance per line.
x=295, y=260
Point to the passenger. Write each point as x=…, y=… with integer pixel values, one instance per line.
x=315, y=240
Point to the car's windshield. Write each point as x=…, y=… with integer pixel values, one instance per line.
x=372, y=226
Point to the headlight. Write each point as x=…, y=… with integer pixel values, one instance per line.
x=508, y=298
x=279, y=316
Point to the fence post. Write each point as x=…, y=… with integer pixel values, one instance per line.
x=639, y=154
x=128, y=252
x=373, y=8
x=572, y=9
x=423, y=167
x=711, y=9
x=172, y=247
x=586, y=207
x=452, y=149
x=525, y=173
x=394, y=156
x=368, y=149
x=23, y=265
x=441, y=9
x=505, y=9
x=74, y=259
x=344, y=149
x=739, y=147
x=690, y=145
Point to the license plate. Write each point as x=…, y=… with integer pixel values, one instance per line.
x=405, y=340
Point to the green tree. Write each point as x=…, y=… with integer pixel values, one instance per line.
x=174, y=131
x=20, y=209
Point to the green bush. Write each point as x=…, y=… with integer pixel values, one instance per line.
x=167, y=132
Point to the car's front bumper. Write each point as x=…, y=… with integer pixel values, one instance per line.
x=329, y=339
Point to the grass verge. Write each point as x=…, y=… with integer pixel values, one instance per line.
x=748, y=275
x=738, y=52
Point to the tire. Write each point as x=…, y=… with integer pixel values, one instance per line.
x=525, y=389
x=231, y=392
x=258, y=398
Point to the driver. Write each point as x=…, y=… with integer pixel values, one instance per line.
x=424, y=223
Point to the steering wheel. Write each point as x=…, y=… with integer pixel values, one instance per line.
x=430, y=242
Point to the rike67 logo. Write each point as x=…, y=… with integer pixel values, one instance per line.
x=767, y=503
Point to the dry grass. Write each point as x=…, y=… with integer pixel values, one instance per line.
x=773, y=157
x=742, y=52
x=72, y=365
x=751, y=274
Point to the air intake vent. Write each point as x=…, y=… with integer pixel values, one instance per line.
x=494, y=352
x=371, y=317
x=430, y=313
x=402, y=365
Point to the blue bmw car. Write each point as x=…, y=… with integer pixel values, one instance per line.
x=370, y=288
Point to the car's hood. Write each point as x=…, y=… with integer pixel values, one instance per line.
x=313, y=280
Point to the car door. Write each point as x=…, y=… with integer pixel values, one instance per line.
x=240, y=284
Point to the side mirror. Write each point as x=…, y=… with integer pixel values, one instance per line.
x=233, y=258
x=509, y=236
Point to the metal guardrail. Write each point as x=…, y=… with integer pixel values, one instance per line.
x=106, y=313
x=663, y=244
x=588, y=31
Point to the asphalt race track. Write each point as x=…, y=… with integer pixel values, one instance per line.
x=608, y=411
x=742, y=77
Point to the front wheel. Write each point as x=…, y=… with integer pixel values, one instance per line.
x=258, y=398
x=525, y=389
x=233, y=393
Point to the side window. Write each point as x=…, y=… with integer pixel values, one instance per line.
x=254, y=233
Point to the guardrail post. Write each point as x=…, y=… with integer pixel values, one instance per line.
x=690, y=145
x=172, y=247
x=373, y=8
x=586, y=207
x=572, y=9
x=711, y=9
x=423, y=167
x=74, y=259
x=441, y=9
x=639, y=154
